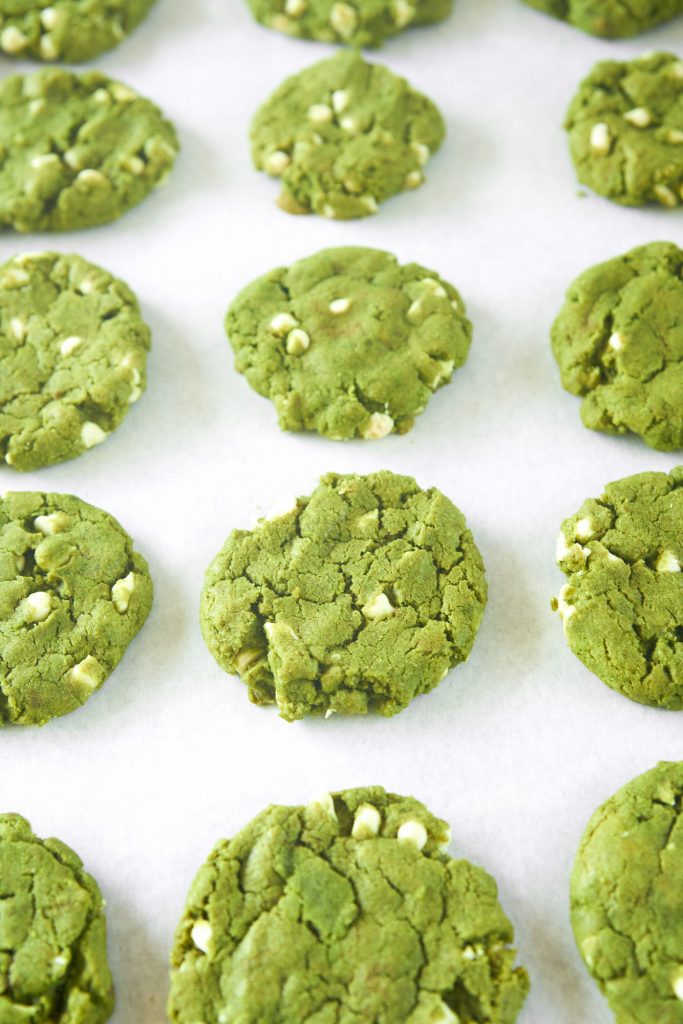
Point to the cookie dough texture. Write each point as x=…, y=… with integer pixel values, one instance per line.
x=342, y=912
x=68, y=30
x=622, y=605
x=78, y=149
x=612, y=19
x=73, y=351
x=618, y=341
x=53, y=955
x=73, y=594
x=358, y=599
x=348, y=342
x=625, y=129
x=361, y=23
x=343, y=136
x=627, y=898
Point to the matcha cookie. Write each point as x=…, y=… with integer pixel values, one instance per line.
x=625, y=129
x=622, y=605
x=343, y=136
x=73, y=594
x=348, y=342
x=53, y=946
x=357, y=599
x=627, y=898
x=612, y=19
x=362, y=23
x=618, y=341
x=346, y=911
x=78, y=150
x=69, y=30
x=73, y=349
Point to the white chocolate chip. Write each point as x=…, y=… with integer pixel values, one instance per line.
x=378, y=607
x=414, y=313
x=343, y=19
x=339, y=306
x=677, y=984
x=283, y=323
x=446, y=839
x=18, y=328
x=562, y=607
x=666, y=196
x=136, y=389
x=366, y=823
x=122, y=592
x=295, y=8
x=49, y=17
x=36, y=607
x=667, y=562
x=616, y=341
x=370, y=203
x=350, y=124
x=89, y=176
x=202, y=934
x=468, y=953
x=246, y=657
x=324, y=803
x=413, y=180
x=584, y=528
x=134, y=165
x=92, y=435
x=123, y=93
x=674, y=136
x=88, y=673
x=48, y=47
x=403, y=13
x=14, y=278
x=70, y=345
x=73, y=159
x=277, y=162
x=13, y=40
x=639, y=117
x=44, y=160
x=379, y=426
x=600, y=139
x=444, y=1015
x=298, y=342
x=49, y=525
x=676, y=69
x=320, y=113
x=422, y=152
x=340, y=100
x=413, y=832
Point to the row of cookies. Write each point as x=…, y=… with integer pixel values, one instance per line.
x=353, y=901
x=356, y=599
x=65, y=30
x=346, y=342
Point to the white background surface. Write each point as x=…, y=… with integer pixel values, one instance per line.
x=518, y=746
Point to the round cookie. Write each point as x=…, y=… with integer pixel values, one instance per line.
x=361, y=23
x=618, y=341
x=68, y=30
x=612, y=19
x=622, y=605
x=346, y=910
x=348, y=342
x=625, y=129
x=53, y=958
x=343, y=136
x=627, y=898
x=78, y=150
x=357, y=599
x=73, y=351
x=73, y=594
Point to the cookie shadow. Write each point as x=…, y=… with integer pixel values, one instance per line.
x=139, y=964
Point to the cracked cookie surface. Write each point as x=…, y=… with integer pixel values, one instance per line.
x=68, y=30
x=361, y=23
x=618, y=341
x=361, y=597
x=625, y=128
x=627, y=898
x=613, y=19
x=348, y=342
x=53, y=955
x=342, y=912
x=622, y=605
x=73, y=594
x=73, y=352
x=343, y=136
x=78, y=150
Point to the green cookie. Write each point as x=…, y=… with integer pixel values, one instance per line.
x=612, y=19
x=362, y=23
x=78, y=150
x=346, y=911
x=53, y=945
x=618, y=341
x=627, y=898
x=343, y=136
x=73, y=594
x=625, y=129
x=69, y=30
x=357, y=599
x=622, y=605
x=348, y=342
x=73, y=350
